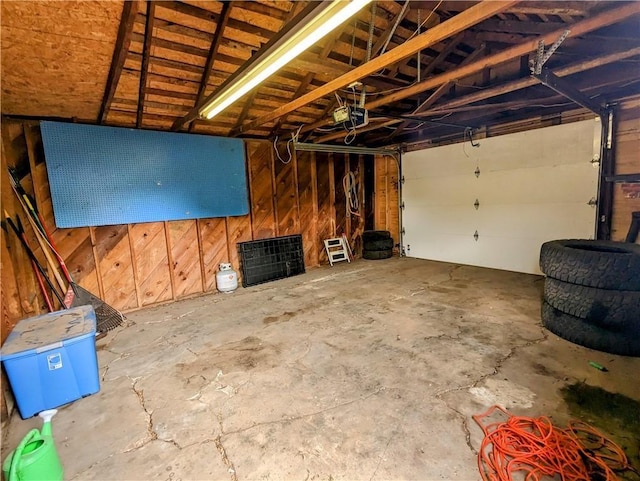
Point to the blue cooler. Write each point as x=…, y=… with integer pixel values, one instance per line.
x=51, y=359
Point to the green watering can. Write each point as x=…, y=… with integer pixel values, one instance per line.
x=35, y=458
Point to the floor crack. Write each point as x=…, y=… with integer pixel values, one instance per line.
x=151, y=433
x=225, y=458
x=381, y=457
x=496, y=370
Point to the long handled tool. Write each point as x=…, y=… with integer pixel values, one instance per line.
x=32, y=210
x=33, y=258
x=106, y=316
x=44, y=248
x=34, y=266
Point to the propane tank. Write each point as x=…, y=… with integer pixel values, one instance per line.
x=226, y=279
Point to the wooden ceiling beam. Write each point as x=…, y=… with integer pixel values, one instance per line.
x=129, y=12
x=584, y=26
x=374, y=125
x=380, y=43
x=307, y=80
x=170, y=93
x=163, y=62
x=438, y=33
x=547, y=7
x=555, y=103
x=525, y=82
x=515, y=27
x=262, y=9
x=144, y=69
x=171, y=45
x=439, y=92
x=245, y=109
x=212, y=55
x=444, y=53
x=204, y=14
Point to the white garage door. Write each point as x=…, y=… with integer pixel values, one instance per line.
x=530, y=187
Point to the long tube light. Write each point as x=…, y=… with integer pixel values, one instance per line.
x=335, y=13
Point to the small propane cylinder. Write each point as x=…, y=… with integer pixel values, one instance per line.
x=226, y=278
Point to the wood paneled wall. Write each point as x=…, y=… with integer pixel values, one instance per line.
x=626, y=197
x=137, y=265
x=386, y=216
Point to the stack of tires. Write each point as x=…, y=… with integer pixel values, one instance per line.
x=592, y=293
x=377, y=244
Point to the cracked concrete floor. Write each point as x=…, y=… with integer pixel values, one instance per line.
x=364, y=371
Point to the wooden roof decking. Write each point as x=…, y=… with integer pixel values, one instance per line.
x=85, y=60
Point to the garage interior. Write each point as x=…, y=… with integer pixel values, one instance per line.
x=474, y=133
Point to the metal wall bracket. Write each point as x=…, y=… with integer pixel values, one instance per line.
x=592, y=202
x=542, y=57
x=402, y=205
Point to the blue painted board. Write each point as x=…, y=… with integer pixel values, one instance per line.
x=108, y=175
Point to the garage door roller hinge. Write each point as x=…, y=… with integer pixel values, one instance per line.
x=476, y=235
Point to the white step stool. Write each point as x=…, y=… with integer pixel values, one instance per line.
x=337, y=250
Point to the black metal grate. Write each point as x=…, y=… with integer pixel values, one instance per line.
x=270, y=259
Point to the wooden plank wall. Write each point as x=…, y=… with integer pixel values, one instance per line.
x=386, y=215
x=137, y=265
x=626, y=197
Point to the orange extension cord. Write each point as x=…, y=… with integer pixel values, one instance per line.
x=537, y=448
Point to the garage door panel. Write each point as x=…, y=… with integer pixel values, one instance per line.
x=451, y=220
x=449, y=190
x=532, y=220
x=559, y=145
x=533, y=186
x=446, y=163
x=563, y=183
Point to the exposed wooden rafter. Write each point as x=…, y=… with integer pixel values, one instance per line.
x=597, y=21
x=439, y=32
x=211, y=56
x=146, y=54
x=129, y=12
x=439, y=92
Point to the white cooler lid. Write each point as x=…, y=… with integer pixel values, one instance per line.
x=35, y=333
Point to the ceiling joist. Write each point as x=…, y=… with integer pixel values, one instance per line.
x=457, y=24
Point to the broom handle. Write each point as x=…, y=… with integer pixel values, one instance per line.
x=39, y=234
x=36, y=214
x=37, y=217
x=43, y=289
x=34, y=259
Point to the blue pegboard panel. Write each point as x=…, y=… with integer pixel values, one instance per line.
x=107, y=175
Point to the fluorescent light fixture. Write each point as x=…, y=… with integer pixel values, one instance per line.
x=332, y=14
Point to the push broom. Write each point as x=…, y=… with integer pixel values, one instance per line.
x=107, y=317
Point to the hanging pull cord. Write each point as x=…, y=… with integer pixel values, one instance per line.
x=351, y=193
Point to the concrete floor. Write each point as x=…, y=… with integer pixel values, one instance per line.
x=364, y=371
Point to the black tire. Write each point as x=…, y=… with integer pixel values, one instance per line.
x=378, y=245
x=614, y=310
x=601, y=264
x=377, y=255
x=580, y=332
x=374, y=235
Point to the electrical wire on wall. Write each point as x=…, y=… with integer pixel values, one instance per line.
x=294, y=138
x=350, y=186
